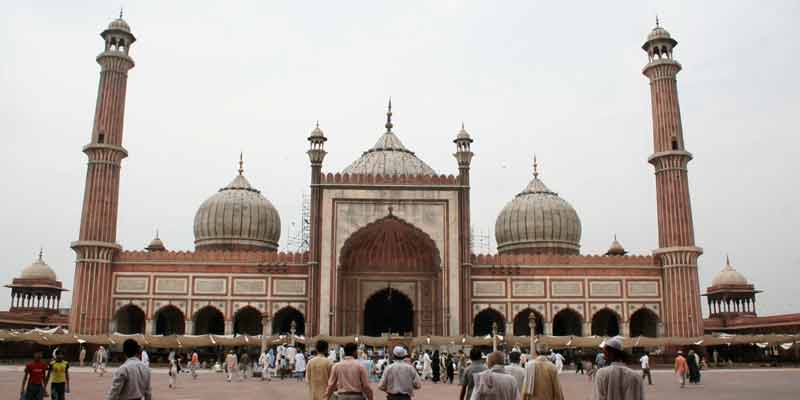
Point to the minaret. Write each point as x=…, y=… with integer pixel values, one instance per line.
x=96, y=245
x=463, y=156
x=676, y=248
x=316, y=153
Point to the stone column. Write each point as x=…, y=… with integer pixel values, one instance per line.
x=188, y=327
x=149, y=327
x=548, y=328
x=228, y=327
x=626, y=329
x=587, y=329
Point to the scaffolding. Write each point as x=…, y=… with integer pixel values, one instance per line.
x=480, y=241
x=300, y=231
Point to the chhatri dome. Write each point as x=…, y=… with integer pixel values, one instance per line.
x=729, y=276
x=538, y=221
x=237, y=217
x=389, y=157
x=38, y=270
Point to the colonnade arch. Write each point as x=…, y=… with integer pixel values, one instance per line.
x=567, y=322
x=130, y=319
x=170, y=321
x=247, y=321
x=643, y=322
x=484, y=320
x=605, y=322
x=209, y=320
x=521, y=323
x=388, y=311
x=282, y=321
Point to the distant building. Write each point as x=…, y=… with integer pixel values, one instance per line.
x=35, y=299
x=732, y=308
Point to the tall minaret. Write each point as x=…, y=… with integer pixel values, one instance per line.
x=96, y=245
x=463, y=156
x=676, y=248
x=316, y=154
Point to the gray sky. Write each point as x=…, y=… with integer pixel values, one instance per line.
x=560, y=79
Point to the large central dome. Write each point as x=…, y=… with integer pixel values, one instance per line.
x=389, y=157
x=237, y=217
x=538, y=221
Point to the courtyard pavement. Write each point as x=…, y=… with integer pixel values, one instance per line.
x=767, y=384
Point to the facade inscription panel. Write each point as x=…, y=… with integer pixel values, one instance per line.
x=289, y=287
x=605, y=289
x=489, y=288
x=527, y=288
x=643, y=288
x=129, y=284
x=171, y=285
x=566, y=288
x=249, y=286
x=210, y=285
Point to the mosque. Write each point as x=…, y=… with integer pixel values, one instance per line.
x=389, y=248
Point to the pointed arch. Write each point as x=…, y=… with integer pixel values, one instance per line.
x=169, y=321
x=130, y=319
x=567, y=322
x=247, y=321
x=484, y=320
x=282, y=321
x=606, y=322
x=209, y=320
x=521, y=322
x=644, y=322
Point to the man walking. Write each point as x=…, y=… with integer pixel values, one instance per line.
x=318, y=371
x=145, y=358
x=399, y=379
x=82, y=355
x=541, y=380
x=645, y=361
x=617, y=381
x=33, y=383
x=132, y=378
x=59, y=372
x=231, y=365
x=244, y=365
x=515, y=369
x=468, y=378
x=349, y=378
x=100, y=360
x=194, y=364
x=495, y=383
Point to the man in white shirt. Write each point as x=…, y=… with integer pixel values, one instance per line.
x=495, y=383
x=132, y=378
x=515, y=369
x=645, y=360
x=300, y=366
x=616, y=381
x=145, y=358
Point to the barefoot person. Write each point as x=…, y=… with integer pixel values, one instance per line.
x=541, y=380
x=495, y=383
x=400, y=379
x=349, y=378
x=132, y=378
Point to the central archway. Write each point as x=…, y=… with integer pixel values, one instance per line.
x=522, y=323
x=170, y=321
x=209, y=320
x=387, y=251
x=388, y=311
x=482, y=325
x=605, y=323
x=567, y=323
x=247, y=321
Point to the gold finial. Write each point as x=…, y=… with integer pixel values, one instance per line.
x=389, y=116
x=241, y=163
x=535, y=167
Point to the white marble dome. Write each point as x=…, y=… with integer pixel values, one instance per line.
x=237, y=217
x=38, y=270
x=538, y=221
x=389, y=157
x=119, y=24
x=729, y=276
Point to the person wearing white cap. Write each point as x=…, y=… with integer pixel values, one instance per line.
x=617, y=381
x=400, y=379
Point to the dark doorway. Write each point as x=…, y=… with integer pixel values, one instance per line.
x=170, y=321
x=282, y=322
x=209, y=320
x=605, y=323
x=644, y=323
x=247, y=322
x=482, y=325
x=388, y=311
x=567, y=323
x=521, y=323
x=130, y=320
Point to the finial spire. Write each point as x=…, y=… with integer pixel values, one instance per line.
x=727, y=260
x=41, y=252
x=658, y=23
x=317, y=124
x=120, y=13
x=241, y=163
x=389, y=116
x=156, y=233
x=462, y=125
x=535, y=167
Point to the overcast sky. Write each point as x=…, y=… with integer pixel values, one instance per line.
x=559, y=79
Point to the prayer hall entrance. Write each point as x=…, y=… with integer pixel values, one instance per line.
x=388, y=311
x=389, y=281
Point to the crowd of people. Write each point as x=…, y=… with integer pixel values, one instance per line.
x=350, y=371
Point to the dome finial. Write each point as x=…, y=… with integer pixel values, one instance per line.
x=41, y=252
x=658, y=23
x=241, y=163
x=317, y=124
x=157, y=234
x=389, y=116
x=727, y=260
x=535, y=167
